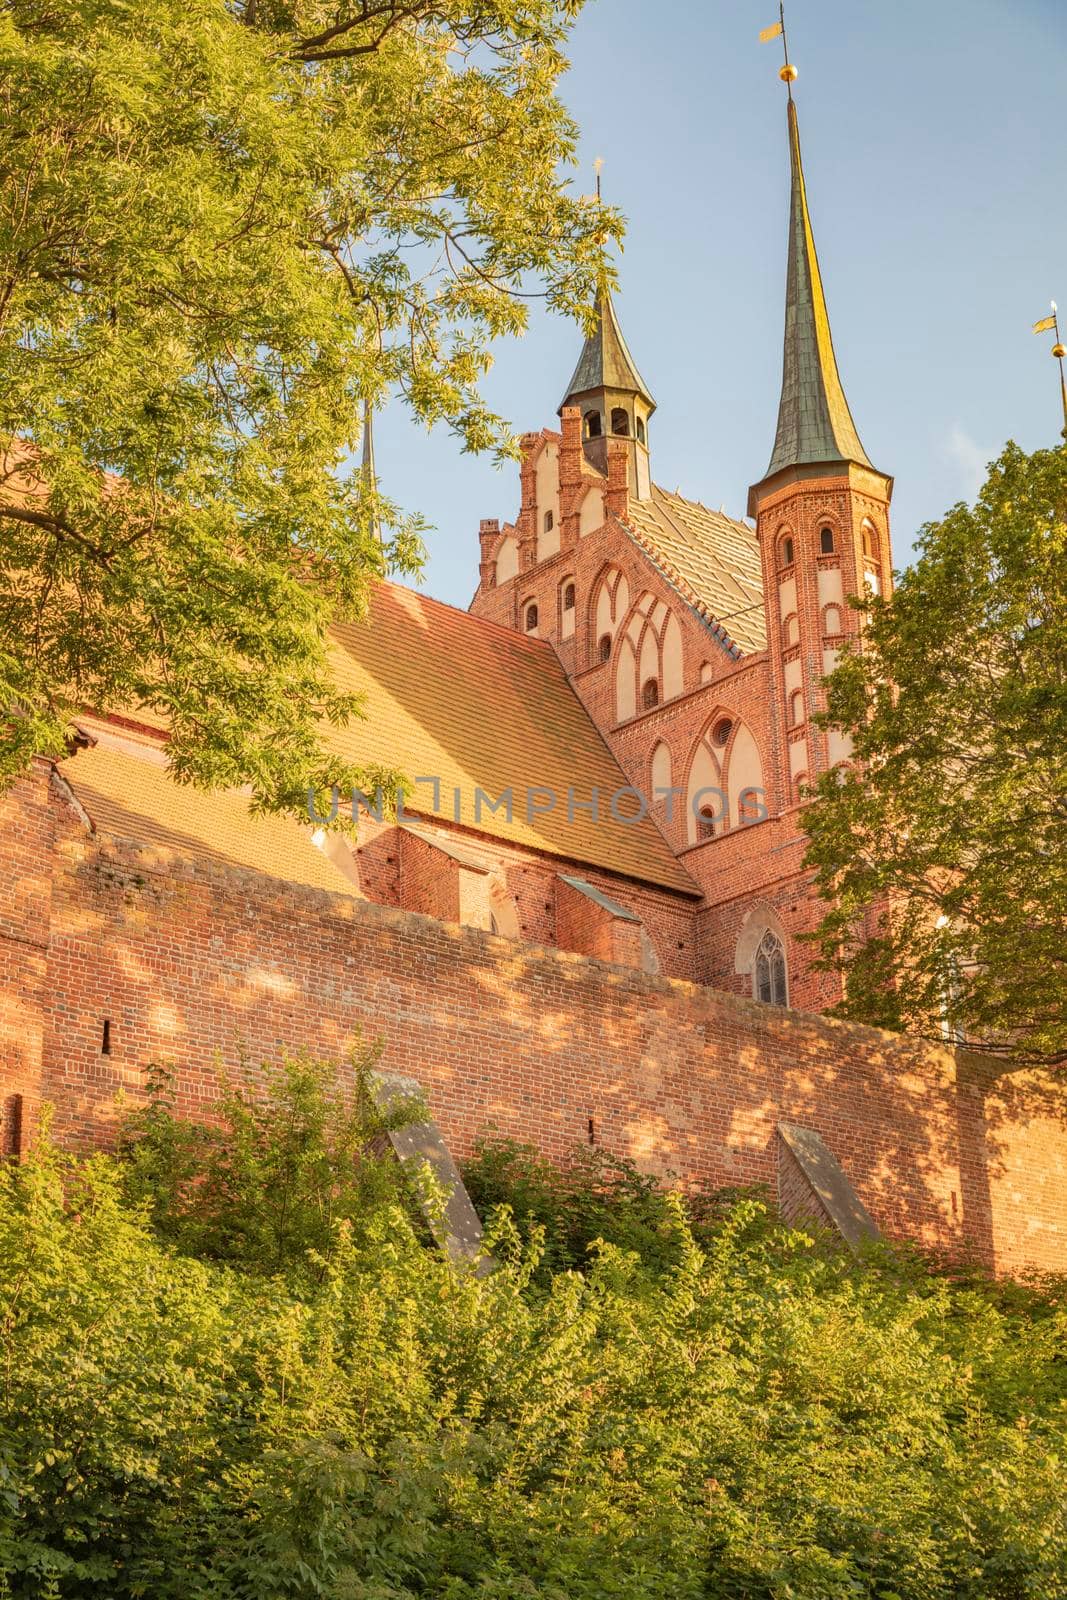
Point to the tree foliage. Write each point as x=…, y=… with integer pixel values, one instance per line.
x=944, y=852
x=224, y=229
x=291, y=1152
x=748, y=1415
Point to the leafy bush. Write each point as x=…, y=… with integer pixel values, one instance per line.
x=748, y=1417
x=264, y=1184
x=592, y=1196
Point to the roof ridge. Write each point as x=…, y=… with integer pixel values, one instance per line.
x=524, y=639
x=710, y=511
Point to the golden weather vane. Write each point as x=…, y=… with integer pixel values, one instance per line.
x=1059, y=350
x=787, y=72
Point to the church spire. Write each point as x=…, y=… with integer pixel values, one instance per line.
x=606, y=362
x=366, y=468
x=815, y=425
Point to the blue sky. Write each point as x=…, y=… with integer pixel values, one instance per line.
x=935, y=154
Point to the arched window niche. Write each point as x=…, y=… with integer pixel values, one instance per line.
x=761, y=956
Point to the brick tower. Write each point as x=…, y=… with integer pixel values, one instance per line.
x=822, y=515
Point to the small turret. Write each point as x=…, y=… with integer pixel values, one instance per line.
x=613, y=398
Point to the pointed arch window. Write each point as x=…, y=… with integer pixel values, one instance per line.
x=620, y=422
x=785, y=551
x=768, y=971
x=826, y=541
x=649, y=694
x=603, y=649
x=640, y=430
x=531, y=619
x=593, y=425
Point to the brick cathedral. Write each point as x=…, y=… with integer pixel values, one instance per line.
x=632, y=791
x=584, y=923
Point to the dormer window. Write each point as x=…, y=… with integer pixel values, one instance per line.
x=592, y=425
x=650, y=694
x=549, y=521
x=620, y=422
x=531, y=619
x=826, y=541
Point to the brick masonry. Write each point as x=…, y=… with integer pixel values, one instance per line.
x=204, y=966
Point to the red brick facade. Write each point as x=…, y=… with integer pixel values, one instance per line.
x=544, y=976
x=189, y=962
x=750, y=867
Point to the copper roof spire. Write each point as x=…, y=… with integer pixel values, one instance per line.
x=367, y=470
x=814, y=422
x=605, y=361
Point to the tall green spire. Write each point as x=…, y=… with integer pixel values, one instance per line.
x=814, y=422
x=605, y=361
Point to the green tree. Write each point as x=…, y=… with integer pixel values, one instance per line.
x=224, y=229
x=944, y=853
x=768, y=1418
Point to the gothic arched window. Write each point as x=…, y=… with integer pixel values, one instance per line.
x=568, y=597
x=650, y=694
x=826, y=541
x=768, y=971
x=531, y=619
x=592, y=425
x=786, y=551
x=604, y=647
x=641, y=429
x=620, y=421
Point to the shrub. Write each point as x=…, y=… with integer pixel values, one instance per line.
x=750, y=1416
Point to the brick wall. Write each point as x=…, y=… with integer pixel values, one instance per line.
x=26, y=823
x=193, y=964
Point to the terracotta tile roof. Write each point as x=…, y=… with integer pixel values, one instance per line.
x=131, y=796
x=713, y=561
x=479, y=706
x=448, y=696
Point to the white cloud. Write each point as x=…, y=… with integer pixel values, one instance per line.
x=970, y=459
